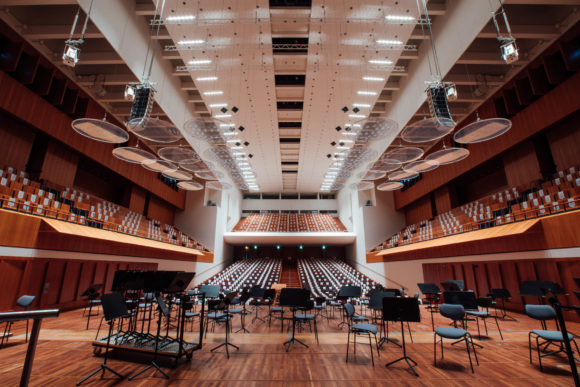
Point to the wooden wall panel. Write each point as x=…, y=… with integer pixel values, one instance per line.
x=557, y=104
x=10, y=274
x=86, y=277
x=112, y=267
x=33, y=279
x=70, y=282
x=481, y=277
x=137, y=200
x=442, y=200
x=52, y=283
x=564, y=141
x=16, y=140
x=494, y=275
x=60, y=165
x=160, y=210
x=100, y=273
x=511, y=282
x=521, y=165
x=419, y=210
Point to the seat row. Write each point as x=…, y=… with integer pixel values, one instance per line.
x=245, y=274
x=290, y=223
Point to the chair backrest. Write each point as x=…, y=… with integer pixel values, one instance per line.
x=466, y=299
x=25, y=301
x=541, y=312
x=349, y=309
x=453, y=311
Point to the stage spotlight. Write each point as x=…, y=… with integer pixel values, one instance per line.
x=509, y=50
x=130, y=92
x=70, y=57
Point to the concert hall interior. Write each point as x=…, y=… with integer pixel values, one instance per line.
x=289, y=192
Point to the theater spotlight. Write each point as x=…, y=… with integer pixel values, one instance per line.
x=451, y=91
x=70, y=57
x=509, y=50
x=130, y=92
x=507, y=43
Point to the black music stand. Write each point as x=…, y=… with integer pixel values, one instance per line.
x=227, y=301
x=243, y=299
x=344, y=294
x=114, y=307
x=163, y=311
x=431, y=293
x=210, y=291
x=376, y=302
x=93, y=294
x=257, y=293
x=294, y=298
x=502, y=294
x=451, y=286
x=403, y=310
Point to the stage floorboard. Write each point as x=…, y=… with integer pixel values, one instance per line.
x=65, y=355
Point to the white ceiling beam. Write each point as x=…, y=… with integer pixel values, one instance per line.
x=523, y=32
x=9, y=3
x=473, y=79
x=188, y=85
x=99, y=58
x=145, y=9
x=409, y=55
x=107, y=80
x=171, y=55
x=46, y=32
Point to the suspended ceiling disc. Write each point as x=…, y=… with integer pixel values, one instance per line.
x=448, y=155
x=178, y=175
x=390, y=186
x=159, y=166
x=402, y=175
x=100, y=130
x=404, y=154
x=427, y=130
x=376, y=129
x=177, y=154
x=482, y=130
x=374, y=175
x=190, y=185
x=364, y=185
x=132, y=154
x=421, y=166
x=387, y=165
x=205, y=129
x=206, y=175
x=154, y=129
x=194, y=165
x=217, y=185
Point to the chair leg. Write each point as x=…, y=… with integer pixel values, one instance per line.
x=435, y=349
x=530, y=345
x=371, y=348
x=347, y=345
x=498, y=328
x=377, y=344
x=354, y=346
x=410, y=333
x=316, y=331
x=469, y=354
x=474, y=352
x=539, y=355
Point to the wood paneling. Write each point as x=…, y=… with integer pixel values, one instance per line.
x=509, y=275
x=557, y=104
x=442, y=200
x=23, y=103
x=60, y=165
x=521, y=165
x=160, y=210
x=137, y=201
x=564, y=141
x=16, y=140
x=420, y=210
x=55, y=282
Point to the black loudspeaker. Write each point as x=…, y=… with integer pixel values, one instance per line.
x=143, y=103
x=437, y=99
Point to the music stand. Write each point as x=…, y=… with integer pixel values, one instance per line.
x=431, y=293
x=243, y=299
x=502, y=294
x=345, y=293
x=114, y=307
x=227, y=301
x=403, y=310
x=294, y=298
x=257, y=293
x=210, y=291
x=376, y=302
x=92, y=293
x=163, y=311
x=459, y=283
x=450, y=286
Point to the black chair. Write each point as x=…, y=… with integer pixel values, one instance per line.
x=545, y=313
x=470, y=304
x=24, y=302
x=432, y=295
x=455, y=312
x=307, y=318
x=359, y=329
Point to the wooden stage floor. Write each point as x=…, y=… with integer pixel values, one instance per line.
x=65, y=355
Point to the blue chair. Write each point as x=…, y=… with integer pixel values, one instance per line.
x=545, y=313
x=456, y=313
x=359, y=329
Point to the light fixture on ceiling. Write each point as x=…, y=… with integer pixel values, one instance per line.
x=381, y=61
x=206, y=79
x=357, y=116
x=72, y=50
x=130, y=91
x=373, y=79
x=400, y=18
x=390, y=42
x=366, y=92
x=361, y=105
x=194, y=62
x=222, y=116
x=179, y=18
x=215, y=92
x=507, y=43
x=190, y=42
x=217, y=105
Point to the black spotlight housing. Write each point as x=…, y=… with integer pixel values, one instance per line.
x=241, y=128
x=250, y=155
x=345, y=109
x=223, y=110
x=356, y=110
x=246, y=143
x=333, y=143
x=235, y=109
x=329, y=155
x=338, y=128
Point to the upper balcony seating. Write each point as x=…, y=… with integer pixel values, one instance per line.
x=289, y=223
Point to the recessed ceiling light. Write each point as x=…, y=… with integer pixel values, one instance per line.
x=199, y=61
x=217, y=92
x=373, y=79
x=389, y=42
x=222, y=116
x=190, y=42
x=381, y=61
x=356, y=116
x=178, y=18
x=365, y=92
x=230, y=133
x=217, y=105
x=399, y=17
x=361, y=105
x=227, y=126
x=237, y=147
x=206, y=79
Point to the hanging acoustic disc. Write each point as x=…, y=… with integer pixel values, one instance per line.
x=482, y=130
x=390, y=186
x=387, y=165
x=159, y=166
x=421, y=166
x=177, y=154
x=427, y=130
x=404, y=154
x=217, y=185
x=190, y=185
x=373, y=175
x=402, y=175
x=205, y=129
x=448, y=155
x=178, y=175
x=100, y=130
x=194, y=165
x=154, y=129
x=364, y=185
x=132, y=154
x=375, y=129
x=206, y=175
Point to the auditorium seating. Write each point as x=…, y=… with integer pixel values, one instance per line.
x=290, y=223
x=562, y=193
x=19, y=193
x=325, y=276
x=245, y=274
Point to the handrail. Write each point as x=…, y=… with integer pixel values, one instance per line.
x=382, y=275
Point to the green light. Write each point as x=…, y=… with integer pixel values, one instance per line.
x=277, y=247
x=255, y=247
x=323, y=247
x=301, y=247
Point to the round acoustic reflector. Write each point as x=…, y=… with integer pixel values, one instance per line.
x=482, y=130
x=373, y=175
x=205, y=129
x=387, y=165
x=195, y=165
x=375, y=129
x=364, y=185
x=154, y=129
x=177, y=154
x=159, y=166
x=190, y=185
x=448, y=155
x=206, y=175
x=402, y=175
x=178, y=175
x=427, y=130
x=404, y=154
x=100, y=130
x=390, y=186
x=421, y=166
x=133, y=155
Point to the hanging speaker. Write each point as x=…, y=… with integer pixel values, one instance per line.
x=437, y=99
x=143, y=102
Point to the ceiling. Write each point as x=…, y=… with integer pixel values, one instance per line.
x=291, y=69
